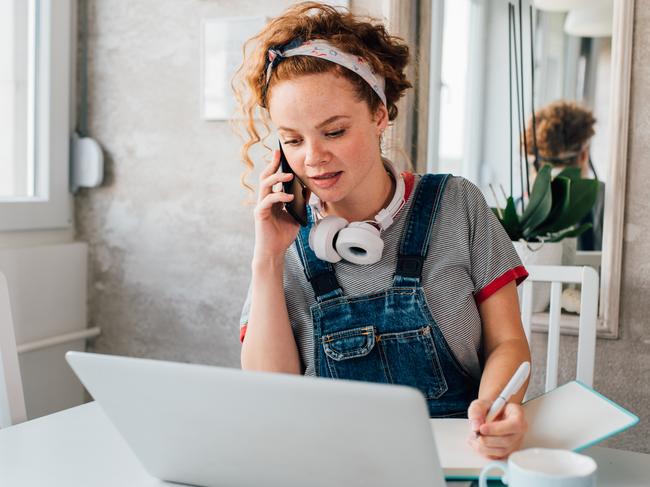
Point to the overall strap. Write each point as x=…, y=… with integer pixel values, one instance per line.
x=417, y=232
x=319, y=273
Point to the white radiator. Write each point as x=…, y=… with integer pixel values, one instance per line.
x=48, y=288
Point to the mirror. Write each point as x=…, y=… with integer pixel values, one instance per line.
x=480, y=81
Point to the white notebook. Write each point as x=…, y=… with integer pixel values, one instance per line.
x=572, y=417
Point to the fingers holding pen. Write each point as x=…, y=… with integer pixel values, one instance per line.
x=502, y=436
x=512, y=422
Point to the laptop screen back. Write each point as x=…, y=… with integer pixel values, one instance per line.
x=213, y=426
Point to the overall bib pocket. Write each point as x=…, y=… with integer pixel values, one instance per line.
x=406, y=358
x=351, y=354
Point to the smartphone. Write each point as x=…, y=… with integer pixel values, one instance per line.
x=297, y=207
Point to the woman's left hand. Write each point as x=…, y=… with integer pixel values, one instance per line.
x=500, y=437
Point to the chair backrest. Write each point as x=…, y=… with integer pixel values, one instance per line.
x=587, y=277
x=12, y=400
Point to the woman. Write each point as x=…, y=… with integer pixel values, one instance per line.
x=436, y=307
x=563, y=130
x=562, y=135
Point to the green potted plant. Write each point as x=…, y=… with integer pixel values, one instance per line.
x=554, y=211
x=555, y=208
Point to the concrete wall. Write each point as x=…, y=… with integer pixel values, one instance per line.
x=170, y=241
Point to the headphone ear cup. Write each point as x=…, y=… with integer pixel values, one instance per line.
x=323, y=235
x=360, y=243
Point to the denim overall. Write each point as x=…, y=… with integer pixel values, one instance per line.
x=389, y=336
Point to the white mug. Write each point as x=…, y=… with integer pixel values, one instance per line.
x=537, y=467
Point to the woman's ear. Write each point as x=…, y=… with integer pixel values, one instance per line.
x=381, y=119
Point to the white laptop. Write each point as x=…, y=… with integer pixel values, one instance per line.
x=213, y=426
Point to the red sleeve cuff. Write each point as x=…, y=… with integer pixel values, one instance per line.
x=517, y=274
x=242, y=332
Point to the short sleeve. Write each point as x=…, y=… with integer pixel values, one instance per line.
x=494, y=260
x=243, y=319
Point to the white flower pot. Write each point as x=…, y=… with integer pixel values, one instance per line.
x=538, y=253
x=569, y=249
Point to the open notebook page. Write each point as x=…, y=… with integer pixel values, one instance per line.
x=571, y=417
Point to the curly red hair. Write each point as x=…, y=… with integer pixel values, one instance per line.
x=560, y=127
x=388, y=55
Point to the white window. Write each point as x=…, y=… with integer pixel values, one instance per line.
x=36, y=113
x=455, y=98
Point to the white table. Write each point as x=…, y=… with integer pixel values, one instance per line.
x=80, y=447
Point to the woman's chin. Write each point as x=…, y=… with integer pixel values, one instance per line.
x=326, y=196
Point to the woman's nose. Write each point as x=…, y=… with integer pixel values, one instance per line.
x=316, y=154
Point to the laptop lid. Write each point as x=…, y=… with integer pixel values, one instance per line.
x=214, y=426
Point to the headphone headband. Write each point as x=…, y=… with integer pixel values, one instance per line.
x=387, y=215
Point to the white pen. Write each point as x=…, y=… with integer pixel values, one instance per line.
x=511, y=388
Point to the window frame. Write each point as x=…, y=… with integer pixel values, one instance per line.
x=54, y=124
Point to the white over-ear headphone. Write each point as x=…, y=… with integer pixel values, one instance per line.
x=333, y=238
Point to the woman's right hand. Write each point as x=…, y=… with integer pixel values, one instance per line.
x=275, y=229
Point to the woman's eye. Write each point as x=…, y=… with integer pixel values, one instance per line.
x=292, y=142
x=336, y=133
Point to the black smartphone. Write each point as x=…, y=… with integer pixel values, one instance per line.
x=297, y=207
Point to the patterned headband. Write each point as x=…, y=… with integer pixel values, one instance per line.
x=324, y=50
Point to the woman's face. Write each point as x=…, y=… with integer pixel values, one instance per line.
x=330, y=138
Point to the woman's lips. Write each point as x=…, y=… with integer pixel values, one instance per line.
x=326, y=181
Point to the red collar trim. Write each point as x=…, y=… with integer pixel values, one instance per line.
x=409, y=182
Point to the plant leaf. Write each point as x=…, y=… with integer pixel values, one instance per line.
x=510, y=220
x=539, y=205
x=561, y=202
x=582, y=198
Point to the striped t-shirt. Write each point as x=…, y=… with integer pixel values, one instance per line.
x=470, y=257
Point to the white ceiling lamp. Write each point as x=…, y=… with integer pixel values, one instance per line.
x=560, y=5
x=592, y=21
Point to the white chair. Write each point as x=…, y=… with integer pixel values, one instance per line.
x=12, y=400
x=587, y=277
